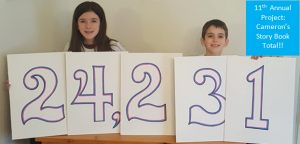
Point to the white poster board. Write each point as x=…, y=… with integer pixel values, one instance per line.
x=200, y=84
x=147, y=94
x=37, y=94
x=260, y=100
x=93, y=92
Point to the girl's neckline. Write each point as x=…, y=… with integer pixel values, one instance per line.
x=89, y=46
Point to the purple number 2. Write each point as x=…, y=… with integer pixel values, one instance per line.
x=134, y=107
x=36, y=106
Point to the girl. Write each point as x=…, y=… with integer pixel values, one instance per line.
x=89, y=30
x=88, y=33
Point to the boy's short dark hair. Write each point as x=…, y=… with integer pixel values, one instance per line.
x=218, y=24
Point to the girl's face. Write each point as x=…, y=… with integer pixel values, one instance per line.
x=89, y=25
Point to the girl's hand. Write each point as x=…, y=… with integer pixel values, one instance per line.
x=256, y=57
x=7, y=84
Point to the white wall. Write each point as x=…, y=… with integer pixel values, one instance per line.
x=297, y=101
x=172, y=25
x=30, y=26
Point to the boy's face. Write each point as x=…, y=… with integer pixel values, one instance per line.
x=215, y=40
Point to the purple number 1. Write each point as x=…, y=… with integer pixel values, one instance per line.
x=255, y=121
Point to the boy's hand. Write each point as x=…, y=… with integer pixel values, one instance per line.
x=7, y=84
x=256, y=57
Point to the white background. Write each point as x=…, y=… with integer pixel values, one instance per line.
x=140, y=25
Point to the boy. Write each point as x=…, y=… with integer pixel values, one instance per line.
x=215, y=38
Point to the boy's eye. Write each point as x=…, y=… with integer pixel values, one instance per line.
x=209, y=36
x=221, y=36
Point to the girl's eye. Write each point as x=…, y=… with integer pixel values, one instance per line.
x=94, y=21
x=220, y=36
x=82, y=21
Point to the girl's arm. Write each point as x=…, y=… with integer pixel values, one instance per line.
x=116, y=46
